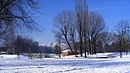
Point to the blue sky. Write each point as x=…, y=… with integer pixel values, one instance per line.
x=111, y=10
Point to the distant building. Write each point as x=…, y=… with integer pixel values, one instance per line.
x=66, y=53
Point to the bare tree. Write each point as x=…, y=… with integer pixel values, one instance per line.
x=122, y=37
x=85, y=27
x=81, y=21
x=72, y=34
x=96, y=25
x=15, y=15
x=63, y=23
x=104, y=41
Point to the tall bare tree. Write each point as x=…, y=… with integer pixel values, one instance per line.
x=96, y=25
x=64, y=22
x=81, y=18
x=85, y=27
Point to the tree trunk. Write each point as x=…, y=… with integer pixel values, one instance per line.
x=68, y=44
x=94, y=48
x=81, y=47
x=120, y=54
x=73, y=41
x=85, y=53
x=126, y=52
x=85, y=48
x=89, y=47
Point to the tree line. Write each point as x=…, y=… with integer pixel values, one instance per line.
x=87, y=28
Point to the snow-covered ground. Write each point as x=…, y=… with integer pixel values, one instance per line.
x=65, y=65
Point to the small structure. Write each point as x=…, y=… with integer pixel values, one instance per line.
x=66, y=53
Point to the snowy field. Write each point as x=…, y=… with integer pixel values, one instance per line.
x=10, y=64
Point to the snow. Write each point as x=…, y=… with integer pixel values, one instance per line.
x=5, y=56
x=66, y=50
x=71, y=64
x=98, y=55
